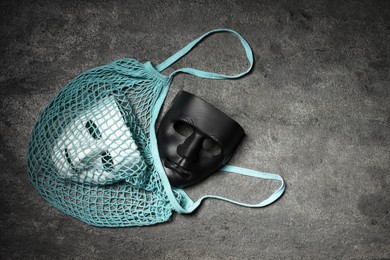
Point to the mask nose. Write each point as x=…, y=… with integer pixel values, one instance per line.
x=189, y=150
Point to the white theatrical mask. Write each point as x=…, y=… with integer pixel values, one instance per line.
x=97, y=147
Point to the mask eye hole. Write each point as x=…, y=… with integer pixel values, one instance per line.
x=107, y=161
x=93, y=130
x=211, y=147
x=183, y=128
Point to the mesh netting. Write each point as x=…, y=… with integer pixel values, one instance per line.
x=89, y=154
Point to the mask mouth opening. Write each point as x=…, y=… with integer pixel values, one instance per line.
x=177, y=168
x=68, y=159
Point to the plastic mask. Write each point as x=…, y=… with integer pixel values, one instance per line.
x=195, y=139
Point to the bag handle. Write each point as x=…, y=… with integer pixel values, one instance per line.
x=204, y=74
x=186, y=204
x=189, y=205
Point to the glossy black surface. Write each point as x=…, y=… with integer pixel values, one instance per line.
x=195, y=139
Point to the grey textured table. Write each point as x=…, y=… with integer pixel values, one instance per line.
x=316, y=110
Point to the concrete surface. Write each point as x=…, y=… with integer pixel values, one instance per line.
x=316, y=109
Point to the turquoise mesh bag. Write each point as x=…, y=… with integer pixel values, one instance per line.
x=93, y=152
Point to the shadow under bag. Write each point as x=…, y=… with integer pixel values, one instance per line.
x=93, y=152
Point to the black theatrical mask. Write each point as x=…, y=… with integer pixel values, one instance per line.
x=195, y=139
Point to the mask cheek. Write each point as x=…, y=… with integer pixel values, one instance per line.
x=84, y=157
x=207, y=163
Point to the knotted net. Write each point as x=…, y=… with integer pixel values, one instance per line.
x=89, y=153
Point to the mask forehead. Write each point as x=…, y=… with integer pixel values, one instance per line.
x=206, y=118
